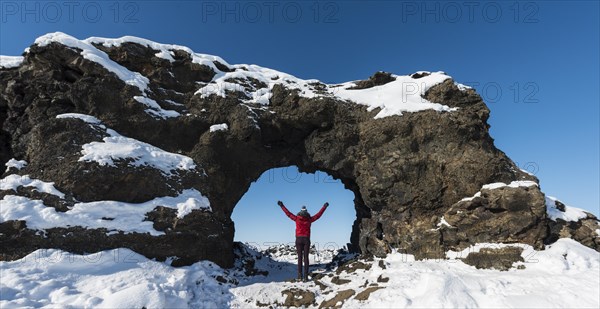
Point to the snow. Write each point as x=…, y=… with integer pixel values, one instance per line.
x=90, y=52
x=498, y=185
x=549, y=280
x=570, y=213
x=13, y=163
x=514, y=184
x=12, y=182
x=8, y=62
x=528, y=251
x=142, y=154
x=112, y=215
x=462, y=87
x=221, y=83
x=443, y=222
x=566, y=274
x=404, y=94
x=394, y=98
x=527, y=172
x=116, y=278
x=118, y=147
x=86, y=118
x=219, y=127
x=155, y=109
x=184, y=208
x=164, y=50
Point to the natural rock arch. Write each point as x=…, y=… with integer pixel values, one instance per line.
x=409, y=173
x=259, y=221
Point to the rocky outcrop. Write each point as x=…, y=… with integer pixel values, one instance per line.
x=586, y=230
x=407, y=171
x=506, y=215
x=338, y=300
x=298, y=298
x=495, y=258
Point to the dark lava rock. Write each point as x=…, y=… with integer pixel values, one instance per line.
x=505, y=214
x=496, y=258
x=583, y=231
x=352, y=266
x=364, y=295
x=406, y=172
x=298, y=298
x=186, y=243
x=378, y=79
x=382, y=279
x=341, y=296
x=337, y=280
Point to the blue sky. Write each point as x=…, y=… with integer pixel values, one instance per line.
x=536, y=65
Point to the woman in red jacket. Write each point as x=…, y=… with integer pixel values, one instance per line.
x=303, y=221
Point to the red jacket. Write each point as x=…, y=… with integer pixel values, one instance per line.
x=303, y=223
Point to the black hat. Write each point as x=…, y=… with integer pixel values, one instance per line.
x=303, y=212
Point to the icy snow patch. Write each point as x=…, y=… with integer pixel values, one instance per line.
x=8, y=62
x=186, y=207
x=112, y=215
x=404, y=94
x=164, y=50
x=394, y=98
x=222, y=82
x=527, y=172
x=86, y=118
x=118, y=147
x=90, y=52
x=462, y=87
x=570, y=213
x=219, y=127
x=514, y=184
x=12, y=182
x=14, y=163
x=443, y=222
x=142, y=154
x=155, y=109
x=497, y=185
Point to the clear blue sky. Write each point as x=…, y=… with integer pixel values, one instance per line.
x=535, y=63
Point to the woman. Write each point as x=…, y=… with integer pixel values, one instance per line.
x=303, y=221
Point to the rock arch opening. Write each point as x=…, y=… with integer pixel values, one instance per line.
x=260, y=222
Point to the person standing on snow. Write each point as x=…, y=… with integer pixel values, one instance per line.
x=303, y=221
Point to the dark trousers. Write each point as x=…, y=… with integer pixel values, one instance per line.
x=302, y=247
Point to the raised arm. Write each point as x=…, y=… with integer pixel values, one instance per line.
x=287, y=212
x=320, y=213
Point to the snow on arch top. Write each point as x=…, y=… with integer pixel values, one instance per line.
x=403, y=94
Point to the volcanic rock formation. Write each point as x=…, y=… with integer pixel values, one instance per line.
x=96, y=130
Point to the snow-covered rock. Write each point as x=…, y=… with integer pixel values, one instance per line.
x=409, y=147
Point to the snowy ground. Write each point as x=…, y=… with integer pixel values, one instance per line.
x=566, y=274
